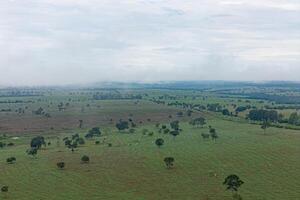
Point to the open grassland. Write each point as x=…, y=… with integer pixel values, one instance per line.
x=133, y=167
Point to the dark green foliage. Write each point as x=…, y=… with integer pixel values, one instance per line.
x=4, y=188
x=175, y=125
x=174, y=133
x=169, y=161
x=60, y=165
x=159, y=142
x=122, y=125
x=10, y=144
x=2, y=144
x=213, y=134
x=166, y=131
x=81, y=141
x=233, y=182
x=37, y=142
x=94, y=132
x=189, y=113
x=85, y=159
x=11, y=160
x=263, y=115
x=265, y=125
x=225, y=112
x=97, y=142
x=80, y=123
x=200, y=121
x=242, y=108
x=205, y=135
x=32, y=151
x=294, y=119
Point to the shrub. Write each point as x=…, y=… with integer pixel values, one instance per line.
x=11, y=160
x=85, y=159
x=60, y=165
x=4, y=189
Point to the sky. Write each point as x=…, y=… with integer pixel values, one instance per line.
x=57, y=42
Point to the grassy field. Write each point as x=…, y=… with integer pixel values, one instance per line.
x=133, y=167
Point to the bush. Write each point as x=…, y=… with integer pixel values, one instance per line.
x=60, y=165
x=97, y=142
x=4, y=189
x=11, y=160
x=85, y=159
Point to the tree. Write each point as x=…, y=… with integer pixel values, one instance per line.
x=294, y=119
x=205, y=136
x=85, y=159
x=233, y=182
x=60, y=165
x=200, y=121
x=11, y=160
x=4, y=188
x=175, y=125
x=93, y=132
x=37, y=142
x=80, y=123
x=213, y=134
x=265, y=125
x=80, y=141
x=122, y=125
x=225, y=112
x=174, y=133
x=159, y=142
x=169, y=161
x=32, y=151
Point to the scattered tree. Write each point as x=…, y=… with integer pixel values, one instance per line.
x=94, y=132
x=4, y=188
x=37, y=142
x=122, y=125
x=169, y=161
x=11, y=160
x=265, y=125
x=32, y=151
x=175, y=125
x=85, y=159
x=60, y=165
x=200, y=121
x=233, y=182
x=159, y=142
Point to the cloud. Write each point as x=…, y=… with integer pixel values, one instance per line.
x=72, y=41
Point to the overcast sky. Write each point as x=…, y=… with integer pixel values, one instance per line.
x=80, y=41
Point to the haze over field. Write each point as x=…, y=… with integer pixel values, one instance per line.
x=70, y=41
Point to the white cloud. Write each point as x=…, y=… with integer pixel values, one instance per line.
x=75, y=41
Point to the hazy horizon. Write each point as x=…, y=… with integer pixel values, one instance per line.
x=63, y=42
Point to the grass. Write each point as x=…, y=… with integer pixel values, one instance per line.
x=133, y=167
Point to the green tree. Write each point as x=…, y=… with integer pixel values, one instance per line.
x=265, y=125
x=122, y=125
x=85, y=159
x=159, y=142
x=200, y=121
x=11, y=160
x=175, y=125
x=61, y=165
x=169, y=161
x=233, y=183
x=32, y=151
x=94, y=132
x=37, y=142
